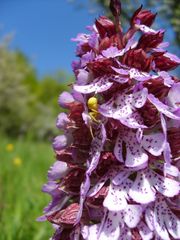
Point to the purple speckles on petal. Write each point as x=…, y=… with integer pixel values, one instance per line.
x=154, y=143
x=116, y=200
x=146, y=29
x=132, y=215
x=142, y=191
x=111, y=227
x=166, y=186
x=135, y=155
x=144, y=231
x=97, y=86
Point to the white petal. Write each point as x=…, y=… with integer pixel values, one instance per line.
x=139, y=98
x=115, y=199
x=149, y=218
x=141, y=191
x=133, y=121
x=118, y=148
x=154, y=143
x=90, y=232
x=146, y=29
x=166, y=186
x=159, y=222
x=173, y=97
x=96, y=148
x=172, y=224
x=135, y=155
x=144, y=231
x=137, y=75
x=117, y=195
x=97, y=86
x=171, y=170
x=161, y=107
x=121, y=71
x=112, y=52
x=111, y=228
x=132, y=215
x=120, y=177
x=125, y=233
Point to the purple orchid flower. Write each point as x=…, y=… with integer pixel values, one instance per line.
x=117, y=169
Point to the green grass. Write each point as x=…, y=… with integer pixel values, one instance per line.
x=21, y=199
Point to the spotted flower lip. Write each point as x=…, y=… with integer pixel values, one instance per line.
x=116, y=174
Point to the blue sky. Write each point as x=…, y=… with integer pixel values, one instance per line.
x=43, y=29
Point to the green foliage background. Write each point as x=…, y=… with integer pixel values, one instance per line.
x=28, y=104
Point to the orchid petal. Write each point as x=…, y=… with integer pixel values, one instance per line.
x=125, y=233
x=161, y=107
x=144, y=231
x=139, y=98
x=96, y=148
x=168, y=81
x=132, y=215
x=154, y=143
x=97, y=186
x=112, y=52
x=65, y=98
x=120, y=79
x=146, y=29
x=115, y=199
x=111, y=229
x=82, y=77
x=174, y=96
x=171, y=170
x=90, y=232
x=159, y=224
x=172, y=223
x=117, y=195
x=122, y=109
x=97, y=86
x=166, y=186
x=120, y=177
x=149, y=218
x=133, y=121
x=137, y=75
x=58, y=170
x=141, y=191
x=135, y=155
x=121, y=71
x=92, y=162
x=118, y=148
x=172, y=57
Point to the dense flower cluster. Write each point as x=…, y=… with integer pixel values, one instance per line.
x=116, y=174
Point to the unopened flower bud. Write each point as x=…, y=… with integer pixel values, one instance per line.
x=64, y=99
x=59, y=142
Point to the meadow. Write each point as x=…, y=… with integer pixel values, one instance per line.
x=23, y=169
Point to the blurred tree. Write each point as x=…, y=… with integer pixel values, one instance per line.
x=14, y=95
x=28, y=105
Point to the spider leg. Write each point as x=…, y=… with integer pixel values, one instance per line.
x=93, y=116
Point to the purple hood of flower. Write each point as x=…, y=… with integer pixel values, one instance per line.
x=117, y=169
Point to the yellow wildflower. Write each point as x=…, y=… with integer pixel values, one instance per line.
x=17, y=161
x=9, y=147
